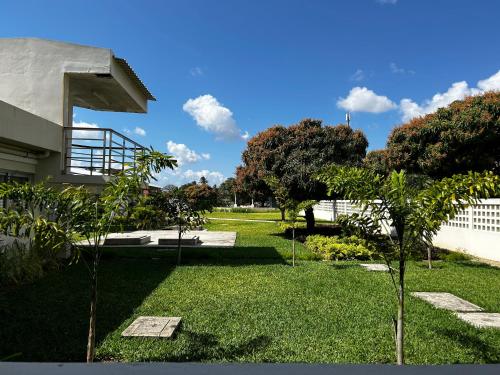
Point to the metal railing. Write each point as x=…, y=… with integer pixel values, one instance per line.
x=98, y=151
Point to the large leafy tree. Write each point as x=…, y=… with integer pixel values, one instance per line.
x=201, y=196
x=294, y=154
x=465, y=136
x=415, y=213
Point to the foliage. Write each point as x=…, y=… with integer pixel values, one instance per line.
x=294, y=154
x=280, y=193
x=340, y=248
x=415, y=213
x=465, y=136
x=376, y=161
x=225, y=192
x=201, y=197
x=250, y=187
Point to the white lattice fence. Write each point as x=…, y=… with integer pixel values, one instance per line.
x=475, y=230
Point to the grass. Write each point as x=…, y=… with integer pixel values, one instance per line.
x=248, y=304
x=271, y=215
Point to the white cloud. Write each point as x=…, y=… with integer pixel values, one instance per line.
x=398, y=70
x=457, y=91
x=196, y=71
x=140, y=131
x=358, y=75
x=213, y=177
x=85, y=133
x=213, y=117
x=185, y=155
x=361, y=99
x=491, y=83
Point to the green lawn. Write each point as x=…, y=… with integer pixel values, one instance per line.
x=248, y=304
x=272, y=215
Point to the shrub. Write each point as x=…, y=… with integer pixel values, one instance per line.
x=340, y=248
x=455, y=257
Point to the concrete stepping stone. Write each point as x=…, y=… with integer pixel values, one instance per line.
x=481, y=319
x=152, y=326
x=375, y=267
x=126, y=239
x=447, y=301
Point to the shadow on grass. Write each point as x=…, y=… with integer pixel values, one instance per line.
x=239, y=255
x=206, y=347
x=48, y=320
x=474, y=344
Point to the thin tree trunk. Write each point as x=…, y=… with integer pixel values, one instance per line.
x=282, y=210
x=400, y=320
x=93, y=315
x=179, y=246
x=309, y=213
x=293, y=246
x=429, y=257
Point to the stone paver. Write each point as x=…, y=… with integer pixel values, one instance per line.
x=481, y=319
x=375, y=267
x=447, y=301
x=152, y=326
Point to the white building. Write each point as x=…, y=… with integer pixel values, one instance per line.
x=40, y=83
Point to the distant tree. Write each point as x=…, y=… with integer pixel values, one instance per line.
x=250, y=187
x=203, y=180
x=376, y=161
x=465, y=136
x=201, y=197
x=225, y=192
x=295, y=154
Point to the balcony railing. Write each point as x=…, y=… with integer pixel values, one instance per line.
x=98, y=151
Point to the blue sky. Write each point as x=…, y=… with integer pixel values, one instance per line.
x=223, y=70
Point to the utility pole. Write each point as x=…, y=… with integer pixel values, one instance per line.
x=348, y=118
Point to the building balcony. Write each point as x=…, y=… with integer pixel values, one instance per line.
x=98, y=152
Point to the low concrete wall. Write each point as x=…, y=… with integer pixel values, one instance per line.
x=475, y=231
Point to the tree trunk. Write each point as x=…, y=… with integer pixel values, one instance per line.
x=293, y=246
x=282, y=210
x=92, y=323
x=179, y=247
x=400, y=320
x=429, y=257
x=310, y=219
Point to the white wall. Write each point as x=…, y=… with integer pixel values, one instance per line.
x=475, y=231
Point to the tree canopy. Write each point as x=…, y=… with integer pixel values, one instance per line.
x=296, y=153
x=465, y=136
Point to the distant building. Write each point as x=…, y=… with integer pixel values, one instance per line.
x=40, y=83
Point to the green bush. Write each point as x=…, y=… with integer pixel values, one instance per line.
x=340, y=248
x=455, y=257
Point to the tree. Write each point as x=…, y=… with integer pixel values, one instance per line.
x=201, y=197
x=296, y=153
x=376, y=161
x=415, y=214
x=465, y=136
x=280, y=193
x=226, y=192
x=250, y=187
x=293, y=208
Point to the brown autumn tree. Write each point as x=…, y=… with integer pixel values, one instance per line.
x=296, y=153
x=465, y=136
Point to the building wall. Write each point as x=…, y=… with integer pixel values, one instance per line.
x=475, y=231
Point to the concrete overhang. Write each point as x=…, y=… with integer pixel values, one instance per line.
x=114, y=87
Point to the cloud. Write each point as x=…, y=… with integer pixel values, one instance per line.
x=491, y=83
x=213, y=117
x=361, y=99
x=140, y=131
x=196, y=71
x=358, y=76
x=398, y=70
x=457, y=91
x=213, y=177
x=86, y=133
x=185, y=155
x=384, y=2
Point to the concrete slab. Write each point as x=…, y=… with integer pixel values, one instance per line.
x=481, y=319
x=375, y=267
x=126, y=239
x=206, y=238
x=152, y=326
x=185, y=241
x=447, y=301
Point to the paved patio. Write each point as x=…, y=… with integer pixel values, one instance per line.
x=149, y=238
